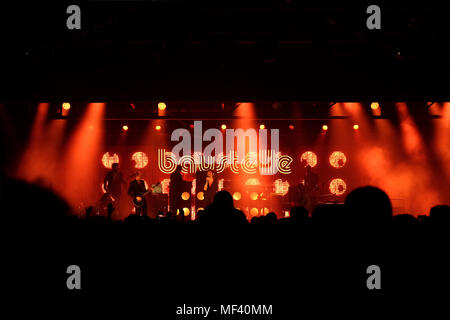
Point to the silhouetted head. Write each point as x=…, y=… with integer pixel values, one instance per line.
x=138, y=175
x=115, y=166
x=210, y=173
x=299, y=213
x=179, y=167
x=368, y=205
x=223, y=200
x=440, y=214
x=308, y=169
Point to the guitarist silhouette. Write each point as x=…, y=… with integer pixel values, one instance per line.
x=137, y=191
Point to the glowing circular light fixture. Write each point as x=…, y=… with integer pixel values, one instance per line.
x=338, y=186
x=254, y=195
x=374, y=105
x=201, y=195
x=237, y=196
x=141, y=159
x=309, y=158
x=125, y=128
x=223, y=127
x=355, y=127
x=158, y=127
x=338, y=159
x=324, y=127
x=254, y=212
x=291, y=127
x=186, y=211
x=162, y=106
x=66, y=106
x=108, y=160
x=262, y=126
x=185, y=195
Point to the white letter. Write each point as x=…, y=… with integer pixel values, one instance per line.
x=74, y=280
x=374, y=21
x=73, y=21
x=184, y=145
x=373, y=282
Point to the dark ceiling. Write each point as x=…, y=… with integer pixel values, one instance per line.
x=198, y=50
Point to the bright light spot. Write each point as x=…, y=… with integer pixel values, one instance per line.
x=254, y=196
x=308, y=158
x=338, y=187
x=356, y=127
x=200, y=209
x=265, y=211
x=185, y=195
x=338, y=159
x=66, y=106
x=281, y=187
x=291, y=127
x=161, y=106
x=186, y=211
x=324, y=127
x=223, y=127
x=254, y=212
x=201, y=195
x=374, y=105
x=108, y=160
x=125, y=128
x=158, y=127
x=141, y=159
x=237, y=196
x=262, y=126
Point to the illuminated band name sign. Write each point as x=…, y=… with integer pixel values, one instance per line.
x=257, y=158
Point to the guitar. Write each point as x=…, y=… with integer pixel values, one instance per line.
x=155, y=188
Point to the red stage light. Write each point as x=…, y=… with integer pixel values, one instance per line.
x=355, y=127
x=291, y=127
x=191, y=126
x=108, y=160
x=223, y=127
x=125, y=128
x=141, y=160
x=158, y=128
x=162, y=106
x=338, y=186
x=310, y=158
x=337, y=159
x=324, y=127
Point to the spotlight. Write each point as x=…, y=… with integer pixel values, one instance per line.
x=262, y=126
x=355, y=127
x=254, y=196
x=66, y=106
x=158, y=127
x=191, y=126
x=162, y=106
x=223, y=127
x=374, y=105
x=291, y=127
x=186, y=211
x=237, y=196
x=125, y=128
x=324, y=127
